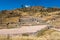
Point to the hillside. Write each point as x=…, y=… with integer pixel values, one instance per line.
x=47, y=15
x=31, y=20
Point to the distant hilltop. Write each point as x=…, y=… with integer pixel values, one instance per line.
x=47, y=15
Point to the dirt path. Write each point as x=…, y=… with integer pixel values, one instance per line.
x=24, y=29
x=55, y=29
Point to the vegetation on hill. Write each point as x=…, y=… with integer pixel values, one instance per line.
x=49, y=15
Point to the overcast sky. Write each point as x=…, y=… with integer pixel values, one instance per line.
x=12, y=4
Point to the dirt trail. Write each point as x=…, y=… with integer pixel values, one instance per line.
x=24, y=29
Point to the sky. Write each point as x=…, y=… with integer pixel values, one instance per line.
x=13, y=4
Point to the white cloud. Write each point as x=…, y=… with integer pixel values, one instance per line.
x=27, y=5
